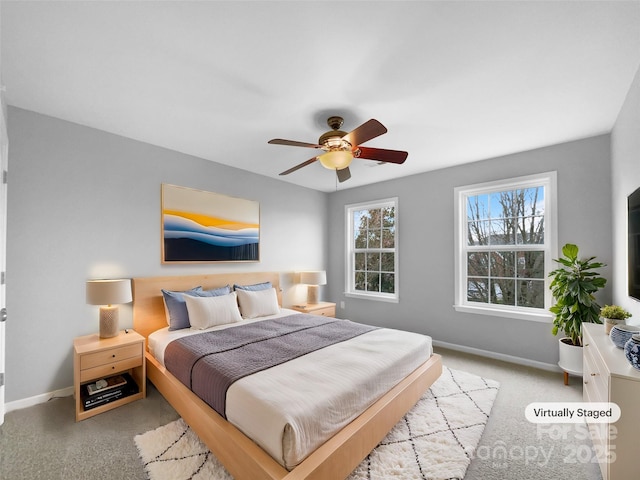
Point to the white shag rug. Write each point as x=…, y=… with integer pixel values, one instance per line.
x=435, y=440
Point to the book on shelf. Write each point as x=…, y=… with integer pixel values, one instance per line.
x=129, y=387
x=105, y=384
x=92, y=402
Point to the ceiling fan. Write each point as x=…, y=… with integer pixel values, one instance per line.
x=340, y=148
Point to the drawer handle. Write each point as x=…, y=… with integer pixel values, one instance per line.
x=594, y=374
x=586, y=344
x=113, y=356
x=586, y=382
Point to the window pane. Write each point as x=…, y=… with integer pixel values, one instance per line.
x=360, y=259
x=531, y=230
x=477, y=207
x=478, y=264
x=374, y=238
x=373, y=262
x=373, y=282
x=533, y=200
x=388, y=283
x=531, y=264
x=503, y=264
x=478, y=233
x=477, y=290
x=389, y=217
x=503, y=232
x=388, y=238
x=360, y=219
x=499, y=206
x=360, y=279
x=375, y=218
x=388, y=262
x=503, y=291
x=531, y=293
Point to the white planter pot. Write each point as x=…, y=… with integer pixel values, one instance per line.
x=609, y=323
x=570, y=357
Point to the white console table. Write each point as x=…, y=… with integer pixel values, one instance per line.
x=608, y=377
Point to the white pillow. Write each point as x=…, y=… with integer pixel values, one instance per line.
x=205, y=312
x=258, y=303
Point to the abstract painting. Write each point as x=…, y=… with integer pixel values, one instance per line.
x=199, y=226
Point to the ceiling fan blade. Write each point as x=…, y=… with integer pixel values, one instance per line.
x=365, y=132
x=293, y=143
x=344, y=174
x=383, y=155
x=303, y=164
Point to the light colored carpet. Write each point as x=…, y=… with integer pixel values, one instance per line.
x=435, y=440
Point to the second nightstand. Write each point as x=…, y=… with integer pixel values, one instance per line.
x=326, y=309
x=95, y=358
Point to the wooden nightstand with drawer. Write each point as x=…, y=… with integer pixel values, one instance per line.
x=96, y=358
x=326, y=309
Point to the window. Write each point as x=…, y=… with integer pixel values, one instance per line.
x=372, y=250
x=506, y=234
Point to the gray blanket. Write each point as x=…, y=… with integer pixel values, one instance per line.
x=208, y=363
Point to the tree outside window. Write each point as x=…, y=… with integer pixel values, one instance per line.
x=372, y=249
x=505, y=243
x=509, y=275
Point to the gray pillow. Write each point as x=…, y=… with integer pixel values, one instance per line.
x=216, y=292
x=255, y=287
x=176, y=308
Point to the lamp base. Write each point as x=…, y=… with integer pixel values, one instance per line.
x=109, y=321
x=312, y=294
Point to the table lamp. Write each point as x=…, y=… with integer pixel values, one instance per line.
x=313, y=279
x=108, y=294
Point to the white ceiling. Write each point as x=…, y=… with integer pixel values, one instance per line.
x=453, y=81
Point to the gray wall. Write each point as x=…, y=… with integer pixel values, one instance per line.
x=625, y=167
x=426, y=247
x=86, y=204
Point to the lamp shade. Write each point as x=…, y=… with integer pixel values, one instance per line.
x=336, y=159
x=314, y=278
x=108, y=292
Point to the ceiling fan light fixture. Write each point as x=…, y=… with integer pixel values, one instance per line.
x=341, y=148
x=336, y=159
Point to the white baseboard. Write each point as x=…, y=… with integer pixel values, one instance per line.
x=42, y=398
x=498, y=356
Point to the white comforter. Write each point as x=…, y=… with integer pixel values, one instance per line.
x=291, y=409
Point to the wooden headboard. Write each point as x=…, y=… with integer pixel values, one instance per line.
x=148, y=306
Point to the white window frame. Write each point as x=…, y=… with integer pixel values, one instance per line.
x=350, y=290
x=548, y=180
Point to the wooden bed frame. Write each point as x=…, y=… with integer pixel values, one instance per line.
x=243, y=458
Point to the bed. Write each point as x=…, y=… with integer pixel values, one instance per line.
x=244, y=458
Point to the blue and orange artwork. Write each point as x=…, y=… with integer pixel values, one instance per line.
x=202, y=226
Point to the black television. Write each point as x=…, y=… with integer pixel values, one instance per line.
x=633, y=246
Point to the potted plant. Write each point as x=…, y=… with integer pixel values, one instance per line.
x=613, y=315
x=573, y=286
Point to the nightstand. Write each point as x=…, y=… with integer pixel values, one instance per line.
x=95, y=358
x=326, y=309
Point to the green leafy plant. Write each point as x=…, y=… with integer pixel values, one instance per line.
x=573, y=286
x=614, y=312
